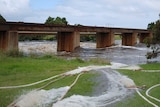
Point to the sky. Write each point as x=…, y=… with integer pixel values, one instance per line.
x=107, y=13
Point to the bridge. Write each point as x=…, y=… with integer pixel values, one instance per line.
x=68, y=36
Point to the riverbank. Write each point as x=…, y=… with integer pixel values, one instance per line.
x=23, y=70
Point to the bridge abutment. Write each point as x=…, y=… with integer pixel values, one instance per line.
x=8, y=40
x=129, y=39
x=104, y=39
x=68, y=41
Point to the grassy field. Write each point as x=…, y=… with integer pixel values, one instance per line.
x=24, y=70
x=143, y=78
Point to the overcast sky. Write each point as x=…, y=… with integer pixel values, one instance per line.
x=110, y=13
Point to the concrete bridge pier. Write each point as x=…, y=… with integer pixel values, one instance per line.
x=143, y=36
x=129, y=39
x=8, y=40
x=68, y=41
x=104, y=39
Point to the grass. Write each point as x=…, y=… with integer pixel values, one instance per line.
x=117, y=37
x=143, y=78
x=25, y=70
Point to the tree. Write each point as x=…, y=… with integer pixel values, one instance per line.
x=64, y=20
x=50, y=20
x=156, y=30
x=155, y=27
x=2, y=19
x=151, y=26
x=56, y=21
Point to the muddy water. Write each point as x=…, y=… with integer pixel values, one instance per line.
x=121, y=54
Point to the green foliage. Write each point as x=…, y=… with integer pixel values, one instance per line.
x=155, y=28
x=2, y=19
x=151, y=26
x=118, y=37
x=147, y=41
x=30, y=37
x=49, y=37
x=88, y=38
x=37, y=37
x=56, y=21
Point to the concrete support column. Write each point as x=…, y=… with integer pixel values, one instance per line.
x=68, y=41
x=143, y=36
x=104, y=39
x=2, y=40
x=129, y=39
x=8, y=40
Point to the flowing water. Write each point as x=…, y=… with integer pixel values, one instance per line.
x=113, y=88
x=121, y=54
x=112, y=85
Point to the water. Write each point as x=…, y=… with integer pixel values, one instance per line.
x=121, y=54
x=40, y=98
x=114, y=90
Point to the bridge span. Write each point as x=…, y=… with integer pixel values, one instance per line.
x=68, y=36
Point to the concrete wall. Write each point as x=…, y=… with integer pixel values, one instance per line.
x=104, y=39
x=8, y=40
x=68, y=41
x=129, y=39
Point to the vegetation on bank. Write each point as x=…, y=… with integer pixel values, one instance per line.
x=24, y=70
x=154, y=43
x=21, y=70
x=143, y=78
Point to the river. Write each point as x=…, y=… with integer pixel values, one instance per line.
x=118, y=53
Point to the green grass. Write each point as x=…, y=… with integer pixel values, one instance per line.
x=25, y=70
x=117, y=37
x=143, y=78
x=151, y=66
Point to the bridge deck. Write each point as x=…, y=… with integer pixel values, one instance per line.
x=37, y=27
